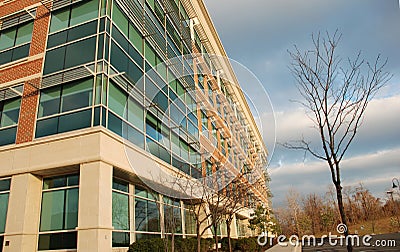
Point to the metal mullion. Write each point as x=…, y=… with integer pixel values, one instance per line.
x=64, y=113
x=72, y=42
x=60, y=188
x=57, y=231
x=15, y=46
x=121, y=192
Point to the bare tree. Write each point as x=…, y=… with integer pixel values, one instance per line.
x=236, y=194
x=312, y=205
x=292, y=200
x=335, y=97
x=199, y=202
x=370, y=205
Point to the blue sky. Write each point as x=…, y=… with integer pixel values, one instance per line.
x=258, y=33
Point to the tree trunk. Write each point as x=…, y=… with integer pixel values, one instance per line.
x=216, y=238
x=343, y=214
x=173, y=242
x=198, y=235
x=228, y=231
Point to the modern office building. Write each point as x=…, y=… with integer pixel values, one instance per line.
x=76, y=96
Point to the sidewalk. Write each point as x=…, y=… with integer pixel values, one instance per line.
x=288, y=248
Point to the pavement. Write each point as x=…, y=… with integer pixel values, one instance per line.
x=287, y=247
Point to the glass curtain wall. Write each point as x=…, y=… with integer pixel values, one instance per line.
x=131, y=92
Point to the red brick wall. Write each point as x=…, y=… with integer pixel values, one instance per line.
x=27, y=117
x=15, y=6
x=27, y=114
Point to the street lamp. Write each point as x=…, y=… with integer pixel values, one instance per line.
x=394, y=184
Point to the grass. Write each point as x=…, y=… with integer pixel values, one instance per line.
x=382, y=226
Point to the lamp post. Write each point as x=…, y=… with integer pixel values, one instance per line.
x=394, y=186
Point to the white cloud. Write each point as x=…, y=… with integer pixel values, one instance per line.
x=373, y=158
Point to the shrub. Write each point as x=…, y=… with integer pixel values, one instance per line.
x=149, y=245
x=181, y=245
x=190, y=244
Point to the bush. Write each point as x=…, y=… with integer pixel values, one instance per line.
x=181, y=245
x=190, y=244
x=149, y=245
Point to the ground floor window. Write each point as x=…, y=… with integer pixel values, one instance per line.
x=4, y=195
x=140, y=213
x=120, y=214
x=59, y=213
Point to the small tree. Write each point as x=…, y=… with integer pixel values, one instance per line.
x=335, y=97
x=260, y=219
x=236, y=196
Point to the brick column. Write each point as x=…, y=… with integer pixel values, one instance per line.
x=95, y=207
x=27, y=114
x=23, y=215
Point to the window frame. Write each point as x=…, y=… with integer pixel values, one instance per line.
x=64, y=188
x=4, y=192
x=16, y=46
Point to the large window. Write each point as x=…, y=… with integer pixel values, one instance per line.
x=9, y=114
x=70, y=55
x=4, y=195
x=190, y=221
x=120, y=214
x=73, y=15
x=172, y=216
x=65, y=107
x=127, y=28
x=147, y=215
x=59, y=214
x=15, y=42
x=125, y=115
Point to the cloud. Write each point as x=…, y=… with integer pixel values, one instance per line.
x=373, y=158
x=378, y=131
x=375, y=171
x=258, y=34
x=263, y=30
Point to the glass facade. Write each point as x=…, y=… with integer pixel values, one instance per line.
x=15, y=42
x=59, y=213
x=9, y=114
x=131, y=91
x=75, y=32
